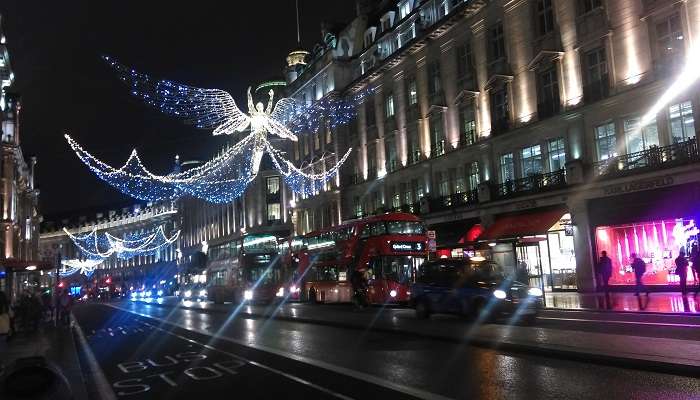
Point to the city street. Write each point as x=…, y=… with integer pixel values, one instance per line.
x=163, y=349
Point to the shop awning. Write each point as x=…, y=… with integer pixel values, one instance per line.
x=517, y=225
x=456, y=233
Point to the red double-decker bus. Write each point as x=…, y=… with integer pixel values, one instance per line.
x=386, y=248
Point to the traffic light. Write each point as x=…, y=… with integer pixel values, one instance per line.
x=61, y=284
x=108, y=280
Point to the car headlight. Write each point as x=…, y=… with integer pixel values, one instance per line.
x=149, y=293
x=177, y=293
x=133, y=295
x=499, y=294
x=202, y=293
x=280, y=292
x=248, y=295
x=536, y=292
x=393, y=293
x=188, y=293
x=294, y=289
x=160, y=293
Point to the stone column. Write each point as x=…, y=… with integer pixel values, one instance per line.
x=583, y=246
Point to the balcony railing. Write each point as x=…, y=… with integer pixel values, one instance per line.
x=438, y=149
x=597, y=90
x=652, y=158
x=499, y=125
x=532, y=184
x=413, y=208
x=414, y=157
x=454, y=200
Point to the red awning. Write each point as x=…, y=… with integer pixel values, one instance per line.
x=532, y=223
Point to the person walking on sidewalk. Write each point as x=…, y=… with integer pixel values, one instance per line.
x=639, y=267
x=605, y=269
x=695, y=265
x=5, y=318
x=682, y=270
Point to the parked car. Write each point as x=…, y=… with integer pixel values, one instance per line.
x=472, y=288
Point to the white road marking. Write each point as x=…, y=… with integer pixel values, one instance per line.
x=257, y=364
x=103, y=386
x=421, y=394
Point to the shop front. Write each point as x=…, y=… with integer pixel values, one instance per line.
x=536, y=246
x=458, y=239
x=655, y=225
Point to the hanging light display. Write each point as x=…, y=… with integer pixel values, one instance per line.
x=85, y=267
x=96, y=246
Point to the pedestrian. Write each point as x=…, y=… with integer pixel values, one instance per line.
x=65, y=303
x=682, y=270
x=695, y=264
x=5, y=318
x=639, y=267
x=605, y=269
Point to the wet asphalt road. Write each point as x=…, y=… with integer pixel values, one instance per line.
x=258, y=358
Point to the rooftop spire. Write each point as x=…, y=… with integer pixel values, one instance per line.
x=298, y=26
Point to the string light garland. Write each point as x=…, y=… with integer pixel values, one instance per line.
x=215, y=109
x=85, y=267
x=97, y=247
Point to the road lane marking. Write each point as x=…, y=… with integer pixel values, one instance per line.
x=611, y=321
x=418, y=393
x=254, y=363
x=101, y=383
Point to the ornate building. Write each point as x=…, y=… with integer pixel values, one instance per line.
x=523, y=130
x=18, y=195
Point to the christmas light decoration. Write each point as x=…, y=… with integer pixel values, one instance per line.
x=100, y=246
x=215, y=109
x=85, y=267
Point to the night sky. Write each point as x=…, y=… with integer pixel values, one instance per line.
x=55, y=49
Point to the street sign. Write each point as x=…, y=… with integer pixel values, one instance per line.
x=432, y=245
x=431, y=235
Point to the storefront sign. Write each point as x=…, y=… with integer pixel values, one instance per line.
x=407, y=246
x=638, y=185
x=431, y=234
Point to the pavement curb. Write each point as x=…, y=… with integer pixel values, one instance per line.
x=98, y=380
x=643, y=364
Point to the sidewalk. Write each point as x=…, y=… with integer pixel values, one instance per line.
x=666, y=355
x=55, y=344
x=656, y=302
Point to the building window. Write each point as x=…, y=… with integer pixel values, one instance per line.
x=497, y=42
x=396, y=200
x=408, y=196
x=273, y=185
x=296, y=151
x=412, y=92
x=370, y=115
x=640, y=138
x=437, y=135
x=549, y=93
x=317, y=140
x=464, y=61
x=274, y=212
x=389, y=106
x=596, y=75
x=434, y=85
x=586, y=6
x=357, y=206
x=372, y=161
x=680, y=117
x=404, y=9
x=557, y=154
x=531, y=161
x=499, y=109
x=606, y=141
x=545, y=16
x=306, y=145
x=467, y=124
x=443, y=184
x=329, y=136
x=459, y=182
x=473, y=175
x=413, y=147
x=507, y=169
x=669, y=41
x=390, y=148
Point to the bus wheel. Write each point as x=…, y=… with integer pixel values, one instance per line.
x=312, y=296
x=422, y=309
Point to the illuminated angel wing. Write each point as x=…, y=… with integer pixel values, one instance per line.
x=204, y=108
x=332, y=110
